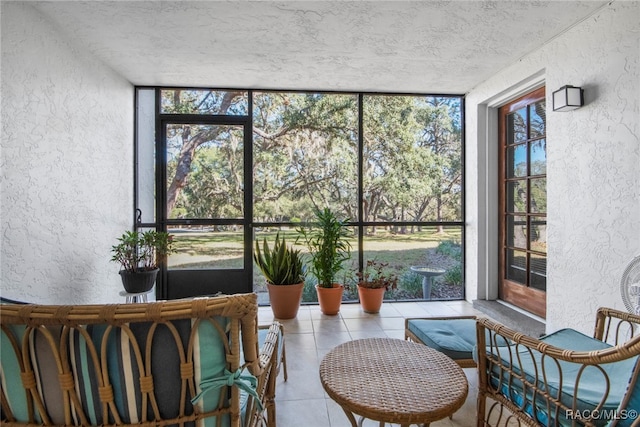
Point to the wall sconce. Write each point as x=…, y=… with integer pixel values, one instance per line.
x=568, y=98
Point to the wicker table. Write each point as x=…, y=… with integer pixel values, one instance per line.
x=393, y=381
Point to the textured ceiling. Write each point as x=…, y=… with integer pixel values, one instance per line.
x=422, y=46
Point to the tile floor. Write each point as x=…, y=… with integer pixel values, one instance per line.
x=302, y=402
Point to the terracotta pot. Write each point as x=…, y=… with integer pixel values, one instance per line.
x=371, y=299
x=285, y=299
x=330, y=299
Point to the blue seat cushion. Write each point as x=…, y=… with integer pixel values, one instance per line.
x=589, y=380
x=454, y=337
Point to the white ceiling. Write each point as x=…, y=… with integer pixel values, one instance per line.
x=419, y=46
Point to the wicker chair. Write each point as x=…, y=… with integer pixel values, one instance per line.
x=153, y=364
x=564, y=378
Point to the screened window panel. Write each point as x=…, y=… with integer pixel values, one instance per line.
x=204, y=101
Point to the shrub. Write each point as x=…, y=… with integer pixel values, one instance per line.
x=409, y=286
x=453, y=275
x=450, y=248
x=309, y=293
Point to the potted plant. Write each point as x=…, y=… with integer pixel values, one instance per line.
x=283, y=270
x=328, y=249
x=139, y=254
x=373, y=282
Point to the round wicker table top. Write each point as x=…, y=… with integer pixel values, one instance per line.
x=394, y=381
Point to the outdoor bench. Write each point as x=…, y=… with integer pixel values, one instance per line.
x=162, y=363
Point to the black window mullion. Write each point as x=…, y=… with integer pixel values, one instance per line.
x=161, y=195
x=360, y=182
x=248, y=186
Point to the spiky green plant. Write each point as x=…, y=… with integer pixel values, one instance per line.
x=280, y=265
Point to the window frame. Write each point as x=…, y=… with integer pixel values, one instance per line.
x=161, y=118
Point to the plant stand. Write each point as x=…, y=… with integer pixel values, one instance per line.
x=138, y=297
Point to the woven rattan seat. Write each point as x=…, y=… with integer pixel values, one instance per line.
x=562, y=379
x=154, y=364
x=393, y=381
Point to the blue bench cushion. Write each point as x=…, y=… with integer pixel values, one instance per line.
x=590, y=381
x=454, y=337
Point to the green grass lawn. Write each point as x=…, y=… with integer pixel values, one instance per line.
x=224, y=249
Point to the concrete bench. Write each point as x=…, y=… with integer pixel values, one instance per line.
x=453, y=336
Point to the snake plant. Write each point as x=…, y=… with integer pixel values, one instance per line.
x=280, y=265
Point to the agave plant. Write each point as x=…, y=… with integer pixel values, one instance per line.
x=280, y=265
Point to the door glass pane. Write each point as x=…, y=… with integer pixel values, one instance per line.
x=205, y=171
x=538, y=195
x=516, y=266
x=517, y=231
x=517, y=161
x=517, y=127
x=538, y=157
x=538, y=234
x=538, y=120
x=516, y=196
x=207, y=247
x=538, y=276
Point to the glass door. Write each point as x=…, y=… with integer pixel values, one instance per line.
x=523, y=203
x=203, y=189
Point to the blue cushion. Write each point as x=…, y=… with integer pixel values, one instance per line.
x=10, y=372
x=634, y=397
x=591, y=382
x=453, y=337
x=209, y=359
x=10, y=301
x=168, y=348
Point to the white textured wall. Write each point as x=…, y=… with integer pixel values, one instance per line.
x=66, y=165
x=593, y=164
